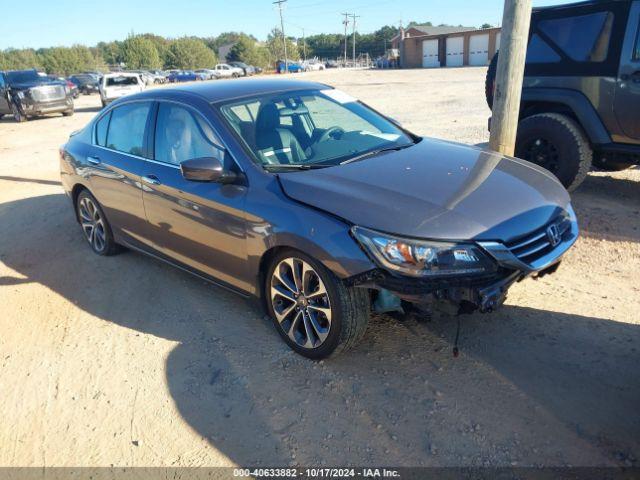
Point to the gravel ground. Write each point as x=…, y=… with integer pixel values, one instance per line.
x=126, y=361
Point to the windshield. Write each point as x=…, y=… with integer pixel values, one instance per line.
x=310, y=128
x=23, y=76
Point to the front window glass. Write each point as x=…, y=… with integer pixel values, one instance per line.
x=313, y=127
x=583, y=38
x=182, y=135
x=127, y=126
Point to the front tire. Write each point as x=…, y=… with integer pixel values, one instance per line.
x=95, y=226
x=68, y=113
x=18, y=116
x=312, y=310
x=557, y=143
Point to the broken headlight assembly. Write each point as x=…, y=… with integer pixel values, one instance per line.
x=423, y=258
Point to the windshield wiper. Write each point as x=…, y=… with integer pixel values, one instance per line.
x=376, y=152
x=295, y=166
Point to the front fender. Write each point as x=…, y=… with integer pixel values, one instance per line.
x=276, y=221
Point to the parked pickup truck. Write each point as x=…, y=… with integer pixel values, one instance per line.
x=581, y=92
x=227, y=71
x=116, y=85
x=25, y=93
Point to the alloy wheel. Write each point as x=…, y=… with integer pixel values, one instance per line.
x=92, y=224
x=301, y=302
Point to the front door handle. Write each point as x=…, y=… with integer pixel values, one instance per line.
x=151, y=180
x=93, y=160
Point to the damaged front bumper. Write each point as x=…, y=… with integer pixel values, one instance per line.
x=536, y=254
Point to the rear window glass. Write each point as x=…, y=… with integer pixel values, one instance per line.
x=126, y=129
x=101, y=130
x=121, y=81
x=583, y=38
x=539, y=51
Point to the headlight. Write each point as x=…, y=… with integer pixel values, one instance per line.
x=423, y=258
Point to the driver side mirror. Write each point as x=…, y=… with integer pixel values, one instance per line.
x=206, y=169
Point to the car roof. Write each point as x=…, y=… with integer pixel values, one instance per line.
x=576, y=4
x=229, y=89
x=121, y=74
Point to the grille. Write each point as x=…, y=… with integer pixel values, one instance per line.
x=533, y=246
x=48, y=93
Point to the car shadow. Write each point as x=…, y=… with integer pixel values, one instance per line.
x=29, y=180
x=568, y=382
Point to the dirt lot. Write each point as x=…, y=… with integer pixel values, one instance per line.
x=126, y=361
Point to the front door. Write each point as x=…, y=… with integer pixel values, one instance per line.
x=200, y=225
x=627, y=100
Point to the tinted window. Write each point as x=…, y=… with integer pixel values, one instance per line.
x=121, y=81
x=126, y=129
x=181, y=134
x=101, y=130
x=22, y=76
x=583, y=38
x=1, y=80
x=539, y=51
x=636, y=53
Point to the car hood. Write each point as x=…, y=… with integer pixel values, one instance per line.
x=435, y=189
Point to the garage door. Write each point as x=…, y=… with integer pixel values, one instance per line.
x=455, y=51
x=479, y=49
x=430, y=54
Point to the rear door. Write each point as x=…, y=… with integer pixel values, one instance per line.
x=200, y=225
x=114, y=164
x=627, y=99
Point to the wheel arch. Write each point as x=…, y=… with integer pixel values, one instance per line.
x=567, y=102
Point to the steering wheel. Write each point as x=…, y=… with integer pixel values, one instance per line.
x=328, y=132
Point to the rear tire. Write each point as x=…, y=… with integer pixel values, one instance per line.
x=95, y=226
x=301, y=318
x=68, y=113
x=557, y=143
x=490, y=80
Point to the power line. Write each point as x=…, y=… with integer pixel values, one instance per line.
x=284, y=39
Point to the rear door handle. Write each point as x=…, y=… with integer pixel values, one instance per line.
x=93, y=160
x=151, y=180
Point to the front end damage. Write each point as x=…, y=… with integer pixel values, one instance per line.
x=534, y=254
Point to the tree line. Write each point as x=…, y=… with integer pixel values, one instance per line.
x=152, y=52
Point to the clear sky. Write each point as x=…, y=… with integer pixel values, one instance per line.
x=44, y=23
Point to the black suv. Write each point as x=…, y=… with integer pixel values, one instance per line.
x=25, y=93
x=581, y=91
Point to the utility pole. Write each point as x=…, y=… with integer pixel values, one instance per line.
x=346, y=23
x=284, y=39
x=509, y=75
x=304, y=46
x=354, y=16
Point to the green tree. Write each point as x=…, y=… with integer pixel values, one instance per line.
x=247, y=50
x=486, y=25
x=111, y=52
x=15, y=59
x=276, y=48
x=190, y=53
x=65, y=61
x=140, y=52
